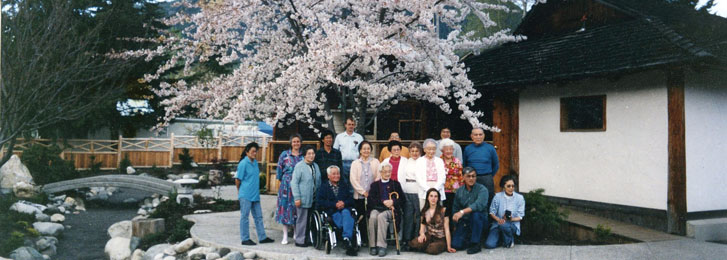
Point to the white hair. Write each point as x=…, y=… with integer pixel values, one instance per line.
x=446, y=142
x=429, y=141
x=330, y=168
x=385, y=164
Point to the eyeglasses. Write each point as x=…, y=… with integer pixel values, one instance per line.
x=509, y=186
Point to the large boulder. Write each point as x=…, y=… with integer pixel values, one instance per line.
x=118, y=248
x=12, y=172
x=184, y=246
x=57, y=218
x=155, y=250
x=25, y=253
x=24, y=190
x=27, y=208
x=48, y=228
x=234, y=255
x=120, y=229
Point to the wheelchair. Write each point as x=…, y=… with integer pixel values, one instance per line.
x=324, y=234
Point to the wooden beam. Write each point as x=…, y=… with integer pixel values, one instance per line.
x=677, y=182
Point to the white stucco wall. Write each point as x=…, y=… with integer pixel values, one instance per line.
x=705, y=109
x=625, y=165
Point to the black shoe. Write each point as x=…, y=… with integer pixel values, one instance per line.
x=351, y=252
x=405, y=248
x=301, y=245
x=382, y=251
x=474, y=249
x=347, y=244
x=373, y=250
x=248, y=243
x=266, y=240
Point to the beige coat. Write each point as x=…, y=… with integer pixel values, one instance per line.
x=355, y=177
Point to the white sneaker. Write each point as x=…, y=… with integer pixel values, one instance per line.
x=285, y=241
x=512, y=244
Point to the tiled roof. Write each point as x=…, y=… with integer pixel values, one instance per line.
x=659, y=37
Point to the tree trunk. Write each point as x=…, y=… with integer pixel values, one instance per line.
x=9, y=151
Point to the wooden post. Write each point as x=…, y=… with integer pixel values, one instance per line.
x=118, y=152
x=677, y=182
x=219, y=148
x=171, y=150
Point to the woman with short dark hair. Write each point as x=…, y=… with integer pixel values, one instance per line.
x=247, y=181
x=507, y=209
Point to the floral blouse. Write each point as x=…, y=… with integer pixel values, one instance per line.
x=454, y=175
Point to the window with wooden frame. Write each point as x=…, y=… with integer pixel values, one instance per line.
x=583, y=114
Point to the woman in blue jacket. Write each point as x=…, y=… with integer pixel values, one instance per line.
x=305, y=182
x=247, y=181
x=507, y=209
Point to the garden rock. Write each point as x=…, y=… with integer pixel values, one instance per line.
x=190, y=176
x=184, y=246
x=23, y=190
x=155, y=250
x=50, y=251
x=137, y=255
x=170, y=251
x=25, y=207
x=118, y=248
x=201, y=250
x=48, y=228
x=69, y=202
x=173, y=177
x=202, y=211
x=80, y=205
x=26, y=253
x=43, y=244
x=57, y=218
x=249, y=255
x=130, y=170
x=52, y=210
x=234, y=256
x=120, y=229
x=224, y=251
x=42, y=217
x=155, y=202
x=12, y=172
x=169, y=258
x=212, y=256
x=142, y=211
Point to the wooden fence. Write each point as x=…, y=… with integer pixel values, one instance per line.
x=147, y=152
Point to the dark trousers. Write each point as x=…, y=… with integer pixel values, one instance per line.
x=410, y=228
x=489, y=184
x=432, y=245
x=469, y=231
x=360, y=206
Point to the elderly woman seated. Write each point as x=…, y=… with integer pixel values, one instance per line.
x=382, y=205
x=334, y=197
x=507, y=209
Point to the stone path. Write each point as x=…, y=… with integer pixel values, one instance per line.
x=620, y=228
x=222, y=230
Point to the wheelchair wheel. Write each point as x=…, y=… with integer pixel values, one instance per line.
x=328, y=247
x=316, y=230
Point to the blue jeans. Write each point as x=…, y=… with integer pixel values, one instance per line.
x=247, y=207
x=506, y=230
x=344, y=220
x=472, y=227
x=346, y=172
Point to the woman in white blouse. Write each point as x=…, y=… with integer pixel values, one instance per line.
x=430, y=172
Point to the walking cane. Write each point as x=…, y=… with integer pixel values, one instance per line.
x=393, y=218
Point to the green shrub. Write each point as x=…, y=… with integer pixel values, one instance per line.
x=152, y=239
x=15, y=240
x=263, y=182
x=542, y=219
x=186, y=159
x=123, y=164
x=603, y=233
x=47, y=166
x=14, y=226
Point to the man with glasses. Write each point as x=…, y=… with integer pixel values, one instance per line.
x=470, y=213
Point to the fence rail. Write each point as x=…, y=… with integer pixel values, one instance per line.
x=146, y=152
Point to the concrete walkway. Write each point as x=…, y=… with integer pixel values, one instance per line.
x=222, y=230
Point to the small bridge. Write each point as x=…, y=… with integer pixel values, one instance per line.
x=137, y=182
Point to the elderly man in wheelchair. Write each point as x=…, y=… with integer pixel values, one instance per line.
x=335, y=216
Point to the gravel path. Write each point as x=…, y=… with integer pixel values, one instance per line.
x=87, y=237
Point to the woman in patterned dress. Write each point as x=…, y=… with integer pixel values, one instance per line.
x=286, y=205
x=453, y=167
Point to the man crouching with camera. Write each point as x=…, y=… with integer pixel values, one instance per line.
x=507, y=209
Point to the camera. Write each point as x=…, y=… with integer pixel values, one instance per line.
x=508, y=214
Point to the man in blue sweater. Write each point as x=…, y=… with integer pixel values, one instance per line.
x=483, y=158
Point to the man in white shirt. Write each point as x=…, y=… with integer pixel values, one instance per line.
x=444, y=134
x=347, y=142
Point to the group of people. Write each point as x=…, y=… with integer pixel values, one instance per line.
x=447, y=190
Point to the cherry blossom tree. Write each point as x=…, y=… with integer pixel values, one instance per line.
x=299, y=59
